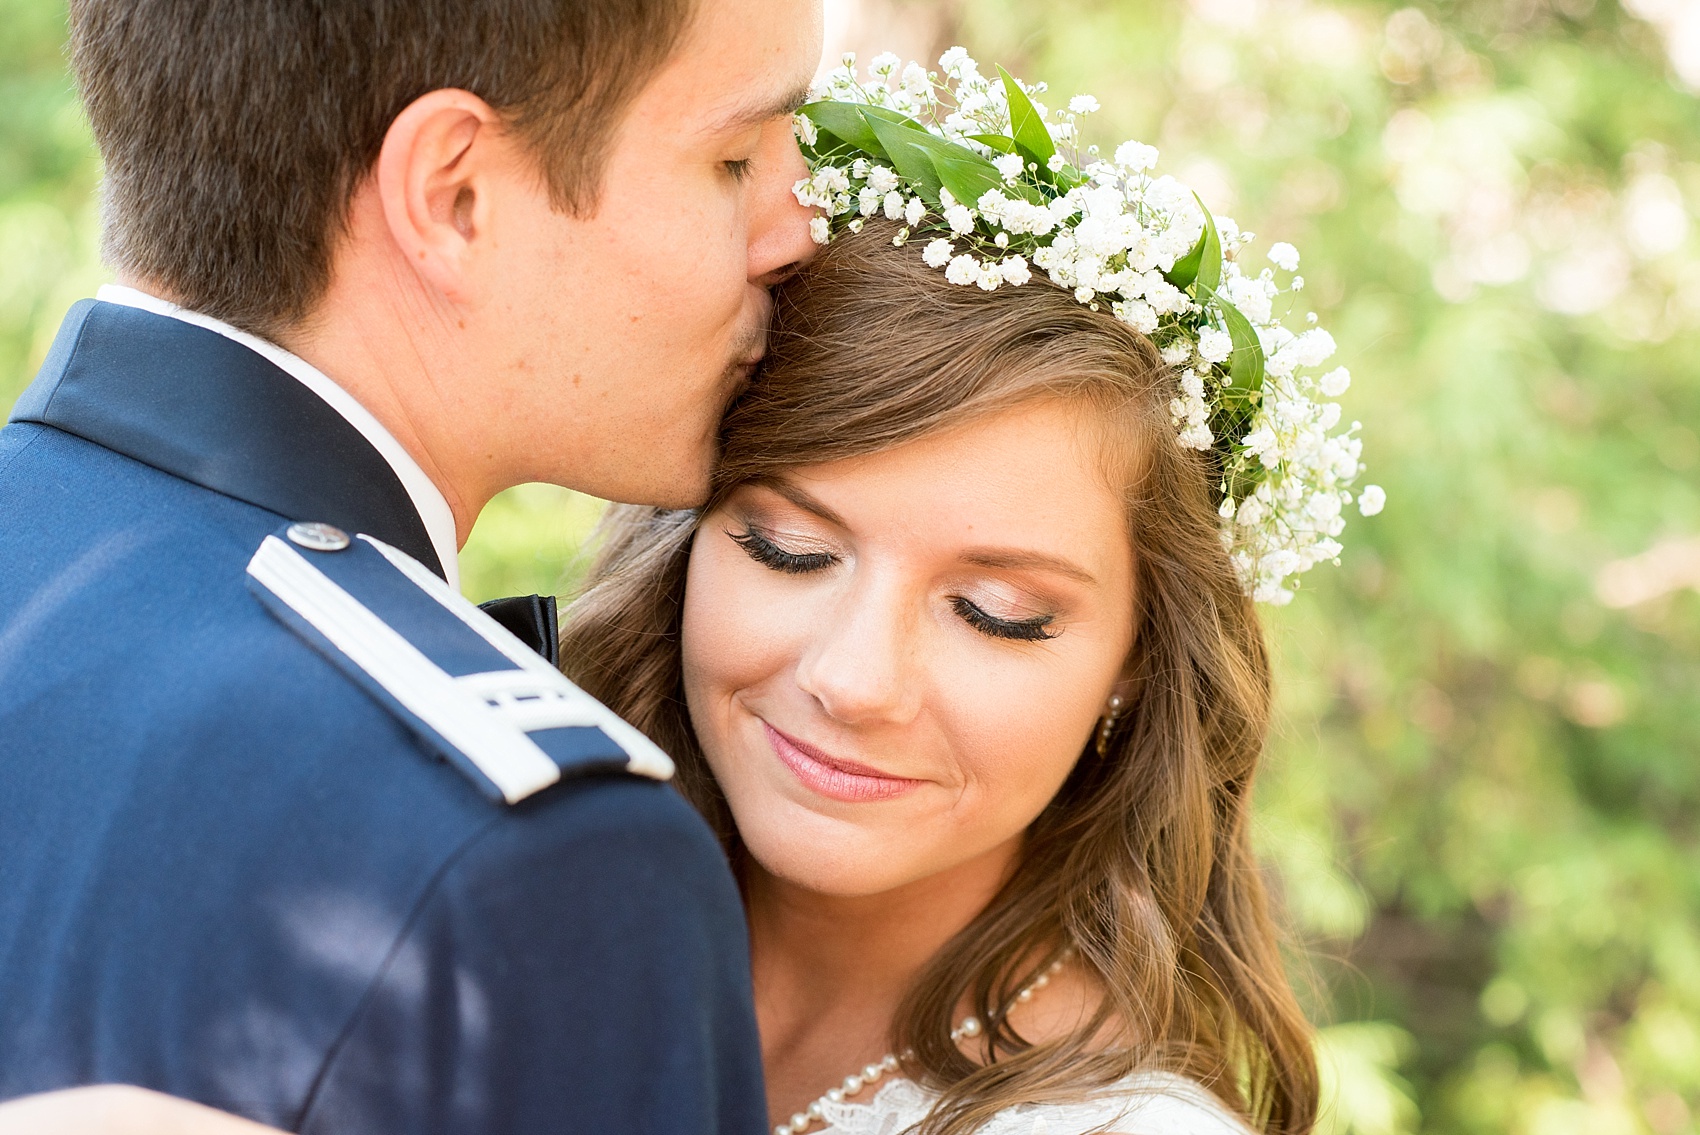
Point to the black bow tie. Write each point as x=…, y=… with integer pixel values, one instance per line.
x=533, y=619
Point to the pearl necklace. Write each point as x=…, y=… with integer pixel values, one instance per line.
x=854, y=1083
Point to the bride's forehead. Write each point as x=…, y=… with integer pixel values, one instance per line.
x=1036, y=471
x=1035, y=447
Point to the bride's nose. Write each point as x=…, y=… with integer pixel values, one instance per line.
x=861, y=662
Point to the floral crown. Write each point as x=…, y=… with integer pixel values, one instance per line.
x=1001, y=187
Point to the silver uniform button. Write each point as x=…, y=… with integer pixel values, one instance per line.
x=318, y=537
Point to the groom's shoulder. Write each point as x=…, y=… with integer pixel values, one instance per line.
x=462, y=687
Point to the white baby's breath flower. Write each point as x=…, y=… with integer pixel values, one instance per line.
x=937, y=253
x=1164, y=296
x=960, y=219
x=1265, y=445
x=1009, y=166
x=893, y=206
x=832, y=179
x=1335, y=382
x=883, y=64
x=1284, y=256
x=962, y=269
x=882, y=179
x=1137, y=314
x=1312, y=348
x=1371, y=499
x=820, y=231
x=1055, y=162
x=1082, y=104
x=868, y=201
x=914, y=210
x=1196, y=435
x=1214, y=346
x=1136, y=155
x=1254, y=298
x=1015, y=270
x=1177, y=353
x=804, y=127
x=915, y=80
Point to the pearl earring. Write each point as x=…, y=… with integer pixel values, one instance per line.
x=1108, y=723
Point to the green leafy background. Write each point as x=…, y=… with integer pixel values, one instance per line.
x=1484, y=793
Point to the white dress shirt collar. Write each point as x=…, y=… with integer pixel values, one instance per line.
x=432, y=506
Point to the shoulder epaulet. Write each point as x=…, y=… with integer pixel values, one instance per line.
x=470, y=690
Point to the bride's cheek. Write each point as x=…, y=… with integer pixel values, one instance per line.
x=1022, y=734
x=740, y=627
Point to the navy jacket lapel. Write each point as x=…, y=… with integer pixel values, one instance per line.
x=202, y=407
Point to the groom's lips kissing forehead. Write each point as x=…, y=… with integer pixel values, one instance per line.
x=750, y=350
x=834, y=777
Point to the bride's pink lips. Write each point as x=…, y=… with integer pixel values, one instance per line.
x=833, y=777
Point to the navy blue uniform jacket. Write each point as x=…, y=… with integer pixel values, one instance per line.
x=233, y=870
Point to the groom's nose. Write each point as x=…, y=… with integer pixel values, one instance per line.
x=778, y=225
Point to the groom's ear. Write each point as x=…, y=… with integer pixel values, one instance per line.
x=433, y=183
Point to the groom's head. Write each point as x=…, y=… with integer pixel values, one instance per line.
x=533, y=236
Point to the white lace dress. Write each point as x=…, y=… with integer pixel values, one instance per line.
x=1147, y=1103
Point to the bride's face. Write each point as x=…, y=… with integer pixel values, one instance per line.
x=893, y=662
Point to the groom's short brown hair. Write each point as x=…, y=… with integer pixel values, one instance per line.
x=234, y=132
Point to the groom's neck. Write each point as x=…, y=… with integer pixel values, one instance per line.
x=430, y=367
x=396, y=373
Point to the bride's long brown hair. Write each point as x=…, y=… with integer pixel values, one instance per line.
x=1143, y=862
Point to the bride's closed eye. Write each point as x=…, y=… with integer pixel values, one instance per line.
x=767, y=552
x=770, y=555
x=1020, y=630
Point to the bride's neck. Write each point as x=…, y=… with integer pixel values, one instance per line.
x=844, y=963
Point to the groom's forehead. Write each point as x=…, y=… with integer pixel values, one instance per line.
x=750, y=60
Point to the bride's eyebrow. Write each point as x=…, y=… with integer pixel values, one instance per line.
x=803, y=500
x=1017, y=559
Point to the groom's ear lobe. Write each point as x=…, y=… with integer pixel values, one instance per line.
x=429, y=183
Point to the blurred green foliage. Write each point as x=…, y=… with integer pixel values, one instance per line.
x=1484, y=796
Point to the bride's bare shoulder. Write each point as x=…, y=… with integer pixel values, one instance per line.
x=117, y=1109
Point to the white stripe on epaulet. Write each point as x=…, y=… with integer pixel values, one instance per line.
x=645, y=756
x=485, y=716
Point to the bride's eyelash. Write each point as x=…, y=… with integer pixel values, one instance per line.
x=770, y=555
x=1022, y=630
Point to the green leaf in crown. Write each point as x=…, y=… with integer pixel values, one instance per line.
x=998, y=188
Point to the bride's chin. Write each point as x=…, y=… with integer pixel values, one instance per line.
x=840, y=865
